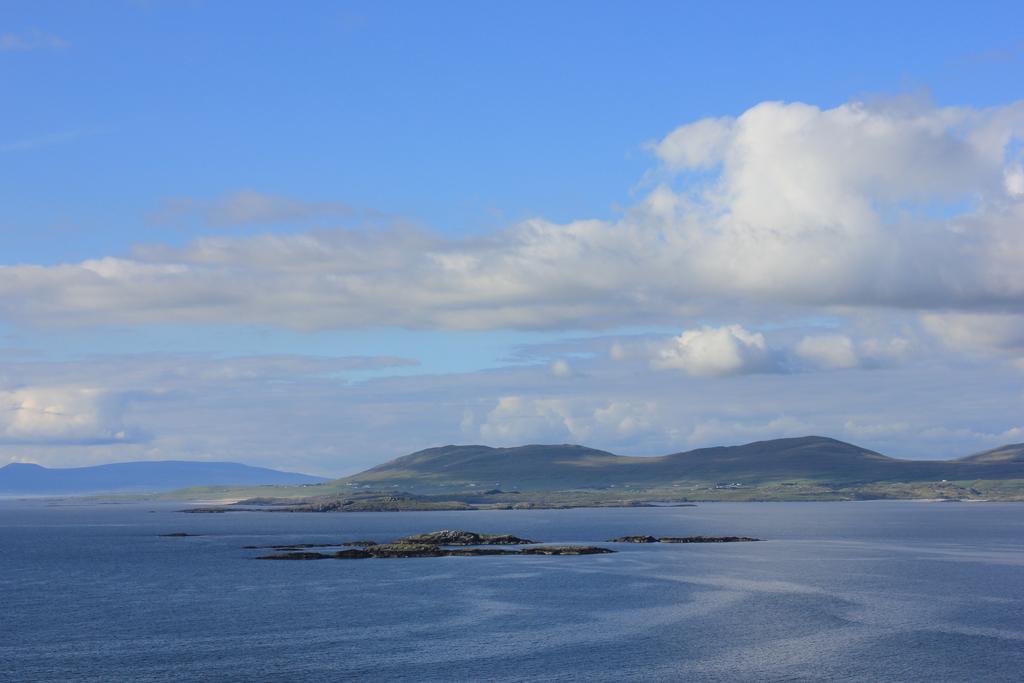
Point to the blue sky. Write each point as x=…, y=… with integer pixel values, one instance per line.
x=339, y=154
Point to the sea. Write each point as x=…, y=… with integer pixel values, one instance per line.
x=858, y=591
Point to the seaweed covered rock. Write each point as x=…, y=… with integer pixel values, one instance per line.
x=633, y=539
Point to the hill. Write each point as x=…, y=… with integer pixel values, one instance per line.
x=1010, y=453
x=562, y=467
x=165, y=475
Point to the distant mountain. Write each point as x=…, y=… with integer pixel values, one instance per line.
x=559, y=467
x=162, y=475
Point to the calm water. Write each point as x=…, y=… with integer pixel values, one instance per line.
x=840, y=591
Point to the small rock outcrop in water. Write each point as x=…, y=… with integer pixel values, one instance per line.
x=565, y=550
x=177, y=534
x=435, y=544
x=450, y=537
x=295, y=556
x=682, y=539
x=393, y=550
x=402, y=549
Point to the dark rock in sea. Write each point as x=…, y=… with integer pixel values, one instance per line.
x=361, y=544
x=450, y=537
x=565, y=550
x=178, y=534
x=706, y=539
x=295, y=556
x=399, y=550
x=402, y=549
x=633, y=539
x=477, y=552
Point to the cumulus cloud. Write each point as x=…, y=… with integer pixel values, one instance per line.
x=702, y=144
x=841, y=352
x=829, y=351
x=61, y=415
x=899, y=205
x=518, y=419
x=980, y=333
x=715, y=351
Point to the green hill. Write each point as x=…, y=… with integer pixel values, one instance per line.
x=563, y=467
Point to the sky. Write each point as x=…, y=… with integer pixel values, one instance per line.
x=317, y=236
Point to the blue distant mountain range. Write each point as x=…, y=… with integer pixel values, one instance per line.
x=163, y=475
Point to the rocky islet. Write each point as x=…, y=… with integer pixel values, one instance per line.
x=458, y=543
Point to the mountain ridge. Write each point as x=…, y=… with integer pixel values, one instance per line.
x=139, y=475
x=560, y=466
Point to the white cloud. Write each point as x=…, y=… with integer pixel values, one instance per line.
x=885, y=350
x=1014, y=180
x=621, y=420
x=1000, y=335
x=893, y=205
x=715, y=351
x=561, y=368
x=58, y=415
x=696, y=145
x=833, y=351
x=840, y=352
x=517, y=419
